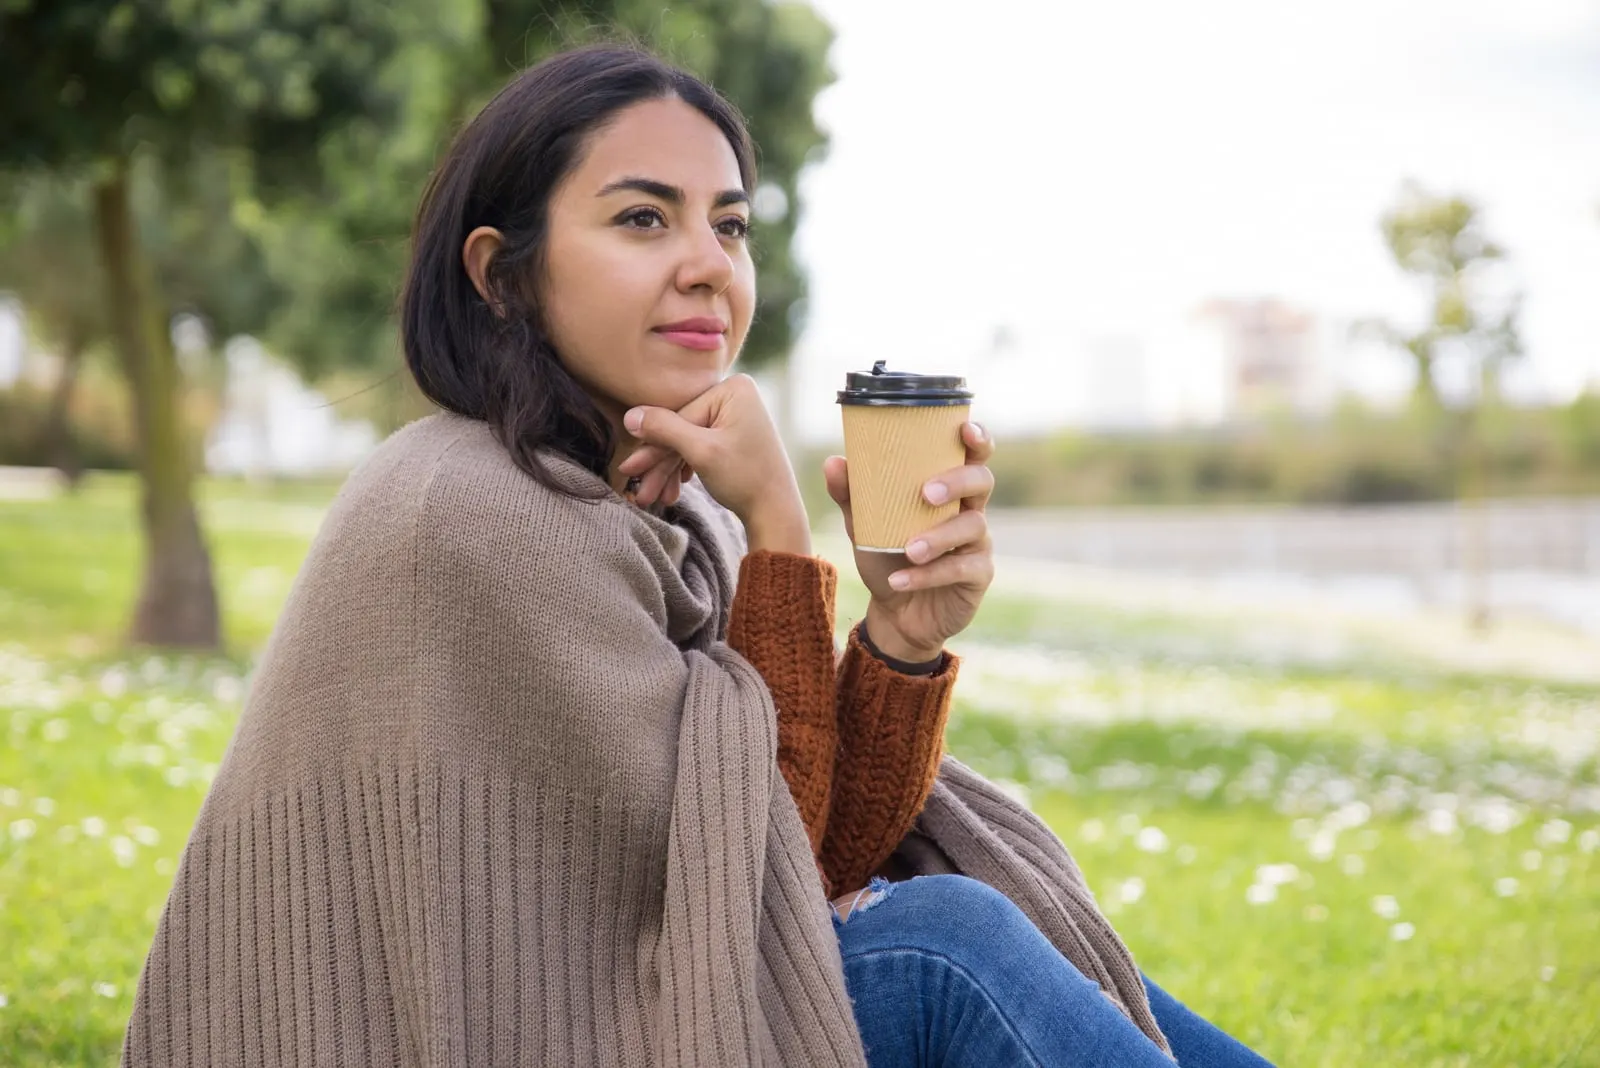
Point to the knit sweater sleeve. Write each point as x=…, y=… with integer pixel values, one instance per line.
x=782, y=623
x=891, y=740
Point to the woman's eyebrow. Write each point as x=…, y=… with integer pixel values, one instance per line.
x=670, y=193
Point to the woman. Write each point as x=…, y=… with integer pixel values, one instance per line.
x=550, y=758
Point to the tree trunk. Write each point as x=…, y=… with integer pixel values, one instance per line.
x=55, y=437
x=177, y=603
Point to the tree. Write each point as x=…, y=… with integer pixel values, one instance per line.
x=1440, y=240
x=96, y=86
x=257, y=166
x=342, y=247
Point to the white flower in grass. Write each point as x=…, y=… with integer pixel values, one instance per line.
x=56, y=730
x=10, y=798
x=105, y=990
x=1092, y=830
x=1531, y=860
x=22, y=830
x=1261, y=893
x=44, y=806
x=94, y=826
x=146, y=836
x=123, y=849
x=1277, y=874
x=1506, y=886
x=1589, y=840
x=177, y=775
x=227, y=689
x=1322, y=845
x=1128, y=823
x=67, y=832
x=1353, y=864
x=1152, y=840
x=1386, y=906
x=1554, y=832
x=1130, y=890
x=1547, y=973
x=1185, y=854
x=114, y=683
x=1402, y=932
x=1442, y=821
x=4, y=1001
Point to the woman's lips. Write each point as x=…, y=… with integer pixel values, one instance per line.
x=703, y=340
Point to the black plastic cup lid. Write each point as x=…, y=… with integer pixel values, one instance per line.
x=903, y=389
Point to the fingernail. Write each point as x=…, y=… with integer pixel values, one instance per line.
x=937, y=492
x=916, y=549
x=633, y=420
x=899, y=580
x=978, y=431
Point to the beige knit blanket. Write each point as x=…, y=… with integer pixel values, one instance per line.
x=501, y=794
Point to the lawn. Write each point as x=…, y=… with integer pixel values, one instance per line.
x=1349, y=862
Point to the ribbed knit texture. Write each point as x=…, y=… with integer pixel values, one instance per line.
x=858, y=742
x=891, y=739
x=782, y=623
x=502, y=794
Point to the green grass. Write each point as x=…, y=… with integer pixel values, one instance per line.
x=1355, y=863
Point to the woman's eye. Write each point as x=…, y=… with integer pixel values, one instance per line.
x=643, y=219
x=735, y=227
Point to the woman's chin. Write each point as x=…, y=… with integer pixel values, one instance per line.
x=682, y=389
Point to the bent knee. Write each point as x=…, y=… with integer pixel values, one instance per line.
x=943, y=900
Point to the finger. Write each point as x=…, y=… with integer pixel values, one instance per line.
x=966, y=529
x=662, y=426
x=669, y=496
x=656, y=480
x=836, y=473
x=643, y=458
x=956, y=569
x=973, y=483
x=980, y=445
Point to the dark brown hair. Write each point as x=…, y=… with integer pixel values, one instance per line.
x=501, y=171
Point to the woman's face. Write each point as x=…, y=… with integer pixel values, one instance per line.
x=648, y=287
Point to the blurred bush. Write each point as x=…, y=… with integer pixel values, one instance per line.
x=1355, y=456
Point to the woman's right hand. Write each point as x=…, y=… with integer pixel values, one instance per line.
x=727, y=436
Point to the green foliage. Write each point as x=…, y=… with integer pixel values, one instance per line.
x=95, y=79
x=1440, y=241
x=342, y=249
x=1179, y=765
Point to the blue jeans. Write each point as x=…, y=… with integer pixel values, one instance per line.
x=945, y=970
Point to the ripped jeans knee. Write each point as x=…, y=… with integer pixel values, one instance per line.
x=875, y=891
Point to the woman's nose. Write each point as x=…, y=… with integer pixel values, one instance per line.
x=705, y=262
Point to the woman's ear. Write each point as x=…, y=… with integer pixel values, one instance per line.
x=476, y=252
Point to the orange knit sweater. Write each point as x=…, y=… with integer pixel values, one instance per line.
x=859, y=743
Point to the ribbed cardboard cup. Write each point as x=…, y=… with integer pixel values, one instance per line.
x=900, y=430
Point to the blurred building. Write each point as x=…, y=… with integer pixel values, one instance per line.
x=272, y=424
x=1270, y=357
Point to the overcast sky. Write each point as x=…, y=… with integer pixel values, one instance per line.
x=1085, y=174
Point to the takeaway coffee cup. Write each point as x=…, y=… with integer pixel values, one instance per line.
x=900, y=429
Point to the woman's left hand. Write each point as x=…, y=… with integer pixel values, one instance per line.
x=915, y=609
